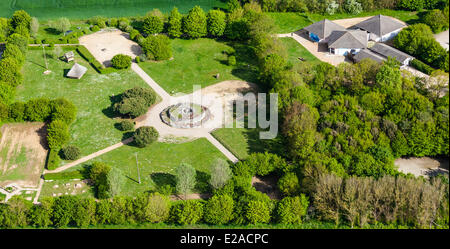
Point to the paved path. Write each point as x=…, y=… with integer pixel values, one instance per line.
x=159, y=90
x=89, y=157
x=443, y=39
x=219, y=146
x=38, y=193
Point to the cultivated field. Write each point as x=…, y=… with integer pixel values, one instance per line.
x=78, y=9
x=22, y=154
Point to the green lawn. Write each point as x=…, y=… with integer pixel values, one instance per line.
x=243, y=141
x=296, y=50
x=157, y=164
x=290, y=22
x=93, y=128
x=195, y=62
x=79, y=9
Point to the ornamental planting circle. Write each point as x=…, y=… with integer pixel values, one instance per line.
x=185, y=115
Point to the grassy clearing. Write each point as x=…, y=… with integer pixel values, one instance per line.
x=78, y=9
x=157, y=164
x=290, y=22
x=296, y=50
x=61, y=187
x=93, y=128
x=243, y=141
x=195, y=62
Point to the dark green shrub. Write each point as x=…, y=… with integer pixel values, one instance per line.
x=258, y=212
x=121, y=61
x=152, y=25
x=424, y=68
x=188, y=212
x=145, y=135
x=157, y=47
x=289, y=184
x=20, y=41
x=70, y=152
x=139, y=92
x=63, y=110
x=126, y=125
x=95, y=28
x=98, y=174
x=16, y=111
x=10, y=72
x=53, y=160
x=7, y=93
x=113, y=22
x=132, y=107
x=37, y=110
x=231, y=60
x=58, y=134
x=98, y=21
x=291, y=210
x=3, y=112
x=13, y=51
x=219, y=210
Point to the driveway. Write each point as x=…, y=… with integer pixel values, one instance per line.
x=315, y=48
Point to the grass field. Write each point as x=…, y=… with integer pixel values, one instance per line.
x=93, y=128
x=197, y=61
x=290, y=22
x=157, y=164
x=79, y=9
x=296, y=50
x=243, y=141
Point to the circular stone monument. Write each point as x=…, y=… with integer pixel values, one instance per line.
x=185, y=115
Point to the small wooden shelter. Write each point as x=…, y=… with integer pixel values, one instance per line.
x=69, y=56
x=77, y=71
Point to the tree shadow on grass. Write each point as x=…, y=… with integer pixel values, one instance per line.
x=109, y=111
x=202, y=182
x=161, y=179
x=52, y=31
x=246, y=67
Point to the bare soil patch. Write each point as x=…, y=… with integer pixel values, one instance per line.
x=267, y=185
x=423, y=166
x=23, y=150
x=105, y=44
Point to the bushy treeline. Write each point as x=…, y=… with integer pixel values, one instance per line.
x=389, y=200
x=344, y=6
x=417, y=40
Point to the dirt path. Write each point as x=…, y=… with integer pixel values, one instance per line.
x=423, y=166
x=89, y=157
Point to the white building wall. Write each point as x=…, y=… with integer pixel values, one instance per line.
x=344, y=51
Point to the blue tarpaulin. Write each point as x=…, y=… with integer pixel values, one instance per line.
x=314, y=37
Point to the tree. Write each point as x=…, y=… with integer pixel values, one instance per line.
x=389, y=77
x=220, y=173
x=34, y=26
x=152, y=25
x=291, y=210
x=411, y=4
x=185, y=179
x=188, y=212
x=194, y=24
x=17, y=212
x=7, y=93
x=71, y=152
x=58, y=134
x=84, y=213
x=115, y=179
x=216, y=23
x=133, y=107
x=289, y=184
x=13, y=51
x=258, y=212
x=145, y=135
x=62, y=24
x=139, y=92
x=436, y=20
x=20, y=41
x=157, y=47
x=174, y=24
x=20, y=19
x=157, y=209
x=353, y=7
x=64, y=210
x=10, y=72
x=41, y=215
x=99, y=175
x=37, y=110
x=121, y=61
x=64, y=110
x=233, y=5
x=126, y=125
x=219, y=210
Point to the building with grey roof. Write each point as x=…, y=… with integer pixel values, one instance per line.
x=388, y=51
x=77, y=71
x=366, y=53
x=349, y=41
x=319, y=31
x=381, y=28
